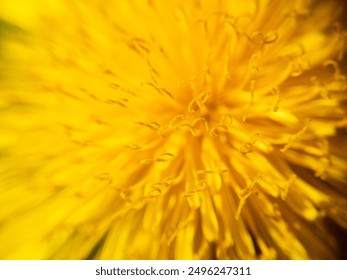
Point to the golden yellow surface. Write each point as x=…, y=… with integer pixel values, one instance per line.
x=181, y=129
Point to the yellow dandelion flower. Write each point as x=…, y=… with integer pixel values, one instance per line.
x=183, y=129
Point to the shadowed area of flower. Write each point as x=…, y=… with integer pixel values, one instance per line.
x=172, y=129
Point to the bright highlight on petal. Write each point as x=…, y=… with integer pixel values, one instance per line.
x=172, y=129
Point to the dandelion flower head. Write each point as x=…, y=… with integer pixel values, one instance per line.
x=172, y=129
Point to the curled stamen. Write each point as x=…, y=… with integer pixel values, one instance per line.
x=225, y=118
x=161, y=130
x=116, y=86
x=204, y=96
x=158, y=89
x=191, y=105
x=133, y=146
x=151, y=125
x=167, y=93
x=166, y=157
x=138, y=45
x=190, y=128
x=223, y=124
x=121, y=102
x=258, y=40
x=247, y=147
x=253, y=65
x=193, y=78
x=155, y=124
x=299, y=65
x=172, y=124
x=174, y=120
x=245, y=194
x=171, y=234
x=152, y=194
x=293, y=51
x=200, y=186
x=321, y=89
x=271, y=37
x=295, y=138
x=201, y=21
x=154, y=73
x=251, y=102
x=198, y=102
x=156, y=127
x=201, y=120
x=153, y=86
x=168, y=181
x=276, y=91
x=297, y=68
x=215, y=171
x=284, y=189
x=250, y=186
x=337, y=71
x=334, y=64
x=213, y=131
x=235, y=22
x=124, y=197
x=163, y=184
x=254, y=138
x=181, y=83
